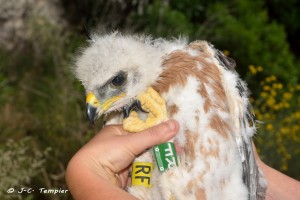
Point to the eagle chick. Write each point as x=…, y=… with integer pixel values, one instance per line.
x=200, y=89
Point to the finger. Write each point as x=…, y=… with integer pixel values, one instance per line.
x=124, y=177
x=158, y=134
x=113, y=129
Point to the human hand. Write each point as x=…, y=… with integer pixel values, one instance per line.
x=100, y=168
x=277, y=183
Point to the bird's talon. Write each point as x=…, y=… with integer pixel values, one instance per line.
x=149, y=102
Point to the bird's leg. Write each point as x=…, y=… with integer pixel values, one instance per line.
x=152, y=103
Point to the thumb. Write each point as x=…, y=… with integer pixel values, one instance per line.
x=153, y=136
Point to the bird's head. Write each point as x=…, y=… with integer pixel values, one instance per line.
x=114, y=69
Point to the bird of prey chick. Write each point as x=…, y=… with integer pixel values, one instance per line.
x=139, y=82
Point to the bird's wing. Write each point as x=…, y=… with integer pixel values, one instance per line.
x=252, y=176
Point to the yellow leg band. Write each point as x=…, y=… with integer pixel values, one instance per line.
x=141, y=174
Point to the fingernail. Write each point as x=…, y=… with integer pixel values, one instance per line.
x=172, y=125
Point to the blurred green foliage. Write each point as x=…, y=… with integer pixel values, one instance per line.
x=277, y=109
x=18, y=163
x=40, y=98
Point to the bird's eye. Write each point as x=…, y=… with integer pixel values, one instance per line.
x=118, y=80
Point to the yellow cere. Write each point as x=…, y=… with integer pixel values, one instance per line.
x=141, y=174
x=91, y=99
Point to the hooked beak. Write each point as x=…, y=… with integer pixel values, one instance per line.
x=92, y=104
x=91, y=113
x=95, y=108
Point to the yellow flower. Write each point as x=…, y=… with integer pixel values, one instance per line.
x=263, y=94
x=273, y=78
x=260, y=68
x=287, y=120
x=297, y=115
x=226, y=52
x=279, y=86
x=271, y=101
x=273, y=93
x=259, y=116
x=286, y=105
x=284, y=167
x=287, y=95
x=277, y=107
x=267, y=88
x=269, y=127
x=256, y=111
x=268, y=79
x=252, y=69
x=268, y=116
x=284, y=130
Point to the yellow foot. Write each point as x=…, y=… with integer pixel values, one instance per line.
x=154, y=105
